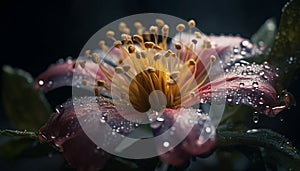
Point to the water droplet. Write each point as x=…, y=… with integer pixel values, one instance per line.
x=50, y=83
x=208, y=130
x=166, y=144
x=59, y=109
x=266, y=65
x=160, y=119
x=156, y=124
x=261, y=73
x=245, y=43
x=243, y=53
x=41, y=82
x=255, y=84
x=102, y=119
x=242, y=85
x=281, y=119
x=252, y=130
x=261, y=101
x=235, y=50
x=255, y=117
x=229, y=100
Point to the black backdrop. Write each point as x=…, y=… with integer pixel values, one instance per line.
x=35, y=33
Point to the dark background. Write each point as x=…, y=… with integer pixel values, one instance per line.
x=35, y=34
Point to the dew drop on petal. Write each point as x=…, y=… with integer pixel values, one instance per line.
x=261, y=101
x=207, y=129
x=281, y=119
x=166, y=144
x=160, y=119
x=50, y=83
x=41, y=82
x=255, y=84
x=255, y=117
x=242, y=85
x=59, y=109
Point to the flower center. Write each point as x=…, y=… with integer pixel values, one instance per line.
x=142, y=64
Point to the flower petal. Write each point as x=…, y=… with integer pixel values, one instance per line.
x=69, y=73
x=245, y=83
x=229, y=48
x=67, y=133
x=199, y=140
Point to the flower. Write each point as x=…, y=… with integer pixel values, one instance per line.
x=140, y=65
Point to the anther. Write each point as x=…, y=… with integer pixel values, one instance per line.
x=110, y=34
x=126, y=68
x=131, y=49
x=212, y=58
x=180, y=27
x=118, y=70
x=194, y=41
x=198, y=34
x=173, y=54
x=138, y=25
x=168, y=53
x=118, y=44
x=192, y=23
x=159, y=22
x=191, y=62
x=178, y=46
x=156, y=47
x=138, y=55
x=153, y=29
x=126, y=37
x=150, y=69
x=103, y=46
x=157, y=56
x=138, y=38
x=206, y=43
x=149, y=45
x=174, y=74
x=95, y=58
x=122, y=26
x=82, y=63
x=100, y=83
x=165, y=29
x=87, y=53
x=143, y=54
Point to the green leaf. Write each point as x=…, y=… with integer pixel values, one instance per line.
x=25, y=107
x=16, y=133
x=14, y=147
x=269, y=140
x=266, y=33
x=23, y=143
x=285, y=52
x=236, y=117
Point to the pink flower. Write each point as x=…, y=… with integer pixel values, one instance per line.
x=138, y=65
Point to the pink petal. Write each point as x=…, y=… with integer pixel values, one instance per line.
x=65, y=131
x=61, y=74
x=228, y=48
x=245, y=83
x=199, y=140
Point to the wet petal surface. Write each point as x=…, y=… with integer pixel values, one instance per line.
x=249, y=84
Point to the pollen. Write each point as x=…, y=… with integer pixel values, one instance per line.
x=144, y=64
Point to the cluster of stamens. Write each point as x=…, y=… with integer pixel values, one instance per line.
x=142, y=63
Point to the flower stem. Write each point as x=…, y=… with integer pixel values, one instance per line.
x=17, y=133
